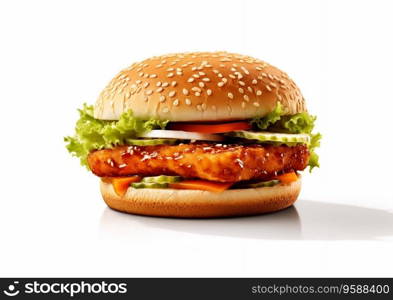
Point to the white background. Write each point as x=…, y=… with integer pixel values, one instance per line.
x=55, y=55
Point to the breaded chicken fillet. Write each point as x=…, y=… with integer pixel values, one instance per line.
x=216, y=162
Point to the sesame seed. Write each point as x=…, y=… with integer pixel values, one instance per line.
x=141, y=74
x=202, y=73
x=148, y=92
x=193, y=68
x=158, y=83
x=249, y=88
x=170, y=75
x=191, y=79
x=258, y=68
x=242, y=83
x=241, y=91
x=153, y=76
x=220, y=84
x=240, y=162
x=209, y=92
x=196, y=75
x=215, y=71
x=159, y=90
x=264, y=74
x=219, y=75
x=268, y=88
x=256, y=104
x=206, y=79
x=138, y=81
x=176, y=102
x=245, y=71
x=188, y=101
x=254, y=81
x=224, y=80
x=185, y=92
x=232, y=76
x=195, y=89
x=146, y=84
x=273, y=84
x=246, y=98
x=162, y=98
x=165, y=84
x=173, y=83
x=145, y=98
x=259, y=92
x=172, y=93
x=201, y=84
x=230, y=95
x=270, y=76
x=279, y=97
x=197, y=94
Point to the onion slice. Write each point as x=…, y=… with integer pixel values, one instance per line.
x=182, y=135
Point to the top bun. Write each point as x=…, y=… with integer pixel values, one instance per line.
x=200, y=86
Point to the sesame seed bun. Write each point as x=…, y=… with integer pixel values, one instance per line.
x=203, y=86
x=202, y=204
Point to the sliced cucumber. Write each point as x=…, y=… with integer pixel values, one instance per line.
x=150, y=142
x=264, y=136
x=269, y=183
x=161, y=179
x=149, y=185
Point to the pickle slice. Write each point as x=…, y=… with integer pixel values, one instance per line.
x=162, y=179
x=269, y=183
x=150, y=142
x=149, y=185
x=264, y=136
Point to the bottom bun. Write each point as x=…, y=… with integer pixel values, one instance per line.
x=202, y=204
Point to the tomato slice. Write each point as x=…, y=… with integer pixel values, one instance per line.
x=203, y=185
x=210, y=128
x=287, y=177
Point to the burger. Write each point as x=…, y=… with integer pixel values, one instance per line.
x=205, y=134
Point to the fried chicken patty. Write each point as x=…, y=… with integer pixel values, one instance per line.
x=216, y=162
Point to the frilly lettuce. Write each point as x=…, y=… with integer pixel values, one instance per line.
x=315, y=143
x=92, y=134
x=299, y=123
x=270, y=119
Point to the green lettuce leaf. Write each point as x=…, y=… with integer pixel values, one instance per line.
x=270, y=119
x=315, y=143
x=298, y=123
x=303, y=122
x=92, y=134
